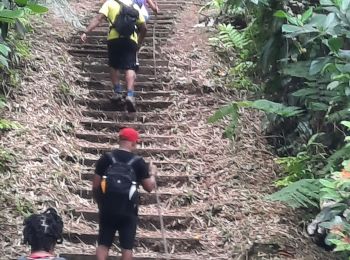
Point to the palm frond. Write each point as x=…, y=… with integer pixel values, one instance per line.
x=302, y=193
x=230, y=38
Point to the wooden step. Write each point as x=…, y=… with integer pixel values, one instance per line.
x=143, y=117
x=177, y=241
x=110, y=105
x=145, y=197
x=103, y=68
x=135, y=257
x=160, y=26
x=106, y=138
x=106, y=76
x=88, y=60
x=172, y=221
x=102, y=39
x=163, y=21
x=162, y=165
x=146, y=52
x=89, y=46
x=107, y=94
x=163, y=179
x=103, y=53
x=107, y=85
x=161, y=33
x=100, y=149
x=117, y=126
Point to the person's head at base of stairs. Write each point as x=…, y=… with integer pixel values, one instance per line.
x=128, y=139
x=43, y=231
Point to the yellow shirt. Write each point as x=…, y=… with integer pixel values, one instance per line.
x=111, y=9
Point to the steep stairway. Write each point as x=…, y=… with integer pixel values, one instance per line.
x=100, y=124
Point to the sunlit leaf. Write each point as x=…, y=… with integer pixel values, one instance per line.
x=306, y=15
x=39, y=9
x=11, y=14
x=21, y=3
x=4, y=50
x=3, y=61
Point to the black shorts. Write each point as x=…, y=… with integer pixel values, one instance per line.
x=122, y=54
x=125, y=225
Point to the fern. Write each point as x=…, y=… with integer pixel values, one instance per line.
x=230, y=38
x=267, y=106
x=276, y=108
x=6, y=125
x=231, y=111
x=338, y=156
x=302, y=193
x=2, y=102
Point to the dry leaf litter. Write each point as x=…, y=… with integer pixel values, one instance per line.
x=229, y=179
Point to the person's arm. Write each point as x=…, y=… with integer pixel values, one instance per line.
x=96, y=188
x=149, y=184
x=93, y=24
x=142, y=33
x=153, y=5
x=101, y=166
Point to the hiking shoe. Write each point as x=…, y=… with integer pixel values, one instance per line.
x=130, y=104
x=117, y=97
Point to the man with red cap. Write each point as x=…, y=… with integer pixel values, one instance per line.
x=117, y=176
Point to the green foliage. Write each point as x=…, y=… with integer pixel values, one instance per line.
x=24, y=206
x=5, y=158
x=301, y=53
x=64, y=89
x=335, y=191
x=302, y=193
x=229, y=38
x=6, y=125
x=4, y=52
x=295, y=167
x=12, y=15
x=232, y=111
x=217, y=4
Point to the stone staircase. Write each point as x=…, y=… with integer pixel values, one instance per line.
x=102, y=119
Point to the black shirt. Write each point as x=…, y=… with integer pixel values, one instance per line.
x=111, y=205
x=140, y=167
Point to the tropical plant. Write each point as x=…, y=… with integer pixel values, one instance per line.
x=302, y=193
x=302, y=55
x=11, y=14
x=232, y=111
x=229, y=38
x=334, y=218
x=5, y=158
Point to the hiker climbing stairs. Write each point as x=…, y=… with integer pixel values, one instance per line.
x=98, y=134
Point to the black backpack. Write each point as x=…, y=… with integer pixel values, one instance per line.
x=125, y=21
x=121, y=186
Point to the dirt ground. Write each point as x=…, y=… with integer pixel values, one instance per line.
x=231, y=177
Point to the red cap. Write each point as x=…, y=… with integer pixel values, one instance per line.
x=129, y=134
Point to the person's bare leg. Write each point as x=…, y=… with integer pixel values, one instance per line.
x=115, y=78
x=130, y=77
x=126, y=254
x=102, y=252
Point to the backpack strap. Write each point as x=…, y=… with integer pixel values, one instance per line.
x=111, y=157
x=133, y=159
x=121, y=4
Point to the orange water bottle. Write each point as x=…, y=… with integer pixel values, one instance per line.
x=104, y=184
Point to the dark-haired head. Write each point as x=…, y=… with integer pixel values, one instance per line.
x=43, y=231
